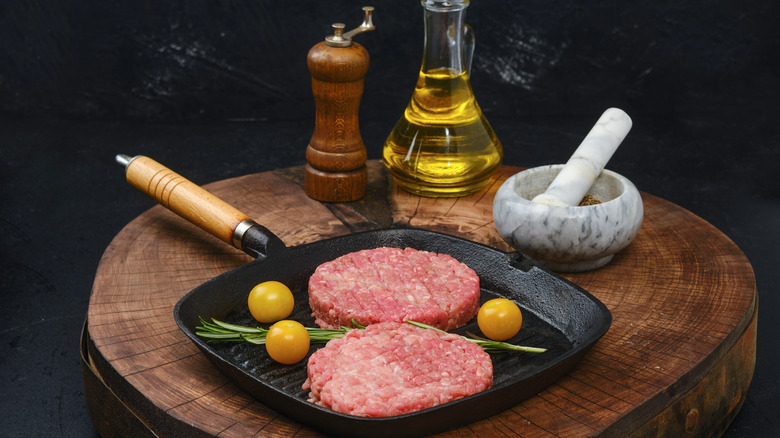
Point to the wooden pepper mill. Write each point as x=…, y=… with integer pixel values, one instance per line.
x=336, y=156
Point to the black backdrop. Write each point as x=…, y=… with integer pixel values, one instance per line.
x=217, y=89
x=220, y=60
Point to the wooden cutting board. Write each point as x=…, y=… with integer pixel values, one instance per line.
x=677, y=360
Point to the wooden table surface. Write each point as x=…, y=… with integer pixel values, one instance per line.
x=678, y=358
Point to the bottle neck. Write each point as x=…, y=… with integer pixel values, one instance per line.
x=445, y=36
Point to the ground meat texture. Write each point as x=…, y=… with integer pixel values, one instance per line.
x=395, y=368
x=394, y=285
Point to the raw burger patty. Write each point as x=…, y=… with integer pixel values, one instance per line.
x=393, y=284
x=395, y=368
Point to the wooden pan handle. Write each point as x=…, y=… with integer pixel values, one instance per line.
x=185, y=198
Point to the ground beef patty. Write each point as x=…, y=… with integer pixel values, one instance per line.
x=395, y=368
x=392, y=284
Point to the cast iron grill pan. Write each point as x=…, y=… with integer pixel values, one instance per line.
x=557, y=314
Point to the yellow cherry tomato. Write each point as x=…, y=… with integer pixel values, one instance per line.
x=287, y=342
x=270, y=301
x=499, y=319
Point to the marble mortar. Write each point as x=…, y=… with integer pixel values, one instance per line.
x=568, y=239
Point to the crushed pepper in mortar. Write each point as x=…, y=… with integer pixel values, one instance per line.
x=589, y=200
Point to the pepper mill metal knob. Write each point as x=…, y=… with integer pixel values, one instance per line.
x=336, y=156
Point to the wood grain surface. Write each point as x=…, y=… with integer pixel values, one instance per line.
x=677, y=359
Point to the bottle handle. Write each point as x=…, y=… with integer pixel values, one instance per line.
x=468, y=47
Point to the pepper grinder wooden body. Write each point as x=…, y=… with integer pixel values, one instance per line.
x=336, y=156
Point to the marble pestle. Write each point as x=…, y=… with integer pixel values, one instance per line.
x=577, y=176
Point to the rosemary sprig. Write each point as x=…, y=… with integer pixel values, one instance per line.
x=487, y=344
x=221, y=331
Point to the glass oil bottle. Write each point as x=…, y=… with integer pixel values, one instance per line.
x=443, y=145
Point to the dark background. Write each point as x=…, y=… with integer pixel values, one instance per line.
x=216, y=89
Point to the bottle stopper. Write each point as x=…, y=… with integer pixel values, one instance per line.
x=580, y=172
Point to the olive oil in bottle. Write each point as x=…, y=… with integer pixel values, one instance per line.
x=443, y=145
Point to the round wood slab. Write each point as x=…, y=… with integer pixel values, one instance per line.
x=677, y=359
